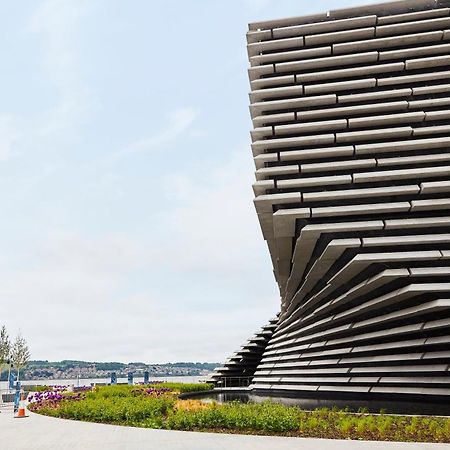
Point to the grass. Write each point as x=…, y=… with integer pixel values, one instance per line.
x=156, y=407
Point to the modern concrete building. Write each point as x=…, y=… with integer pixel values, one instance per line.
x=351, y=143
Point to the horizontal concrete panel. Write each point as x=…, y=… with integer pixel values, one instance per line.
x=376, y=95
x=340, y=36
x=264, y=83
x=266, y=172
x=416, y=144
x=333, y=61
x=279, y=44
x=416, y=78
x=280, y=92
x=426, y=63
x=413, y=160
x=273, y=118
x=358, y=136
x=348, y=111
x=392, y=7
x=412, y=16
x=418, y=51
x=333, y=166
x=325, y=26
x=317, y=153
x=289, y=142
x=289, y=56
x=412, y=27
x=433, y=89
x=350, y=72
x=311, y=127
x=315, y=181
x=432, y=130
x=340, y=86
x=361, y=193
x=379, y=44
x=386, y=119
x=402, y=174
x=259, y=107
x=363, y=209
x=286, y=22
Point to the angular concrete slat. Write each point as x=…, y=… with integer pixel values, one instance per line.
x=340, y=36
x=418, y=51
x=411, y=16
x=413, y=27
x=382, y=43
x=290, y=55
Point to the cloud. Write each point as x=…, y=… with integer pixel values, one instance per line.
x=201, y=276
x=54, y=26
x=69, y=285
x=8, y=136
x=213, y=225
x=75, y=302
x=57, y=24
x=179, y=121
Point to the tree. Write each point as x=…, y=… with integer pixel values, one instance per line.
x=20, y=354
x=5, y=348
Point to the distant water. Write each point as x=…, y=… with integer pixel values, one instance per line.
x=88, y=381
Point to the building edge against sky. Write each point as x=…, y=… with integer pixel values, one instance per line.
x=351, y=143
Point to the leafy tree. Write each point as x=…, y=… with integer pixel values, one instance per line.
x=5, y=348
x=20, y=354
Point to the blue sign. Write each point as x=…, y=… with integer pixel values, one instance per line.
x=130, y=378
x=113, y=378
x=146, y=377
x=17, y=397
x=11, y=380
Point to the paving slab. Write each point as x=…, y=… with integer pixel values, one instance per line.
x=46, y=433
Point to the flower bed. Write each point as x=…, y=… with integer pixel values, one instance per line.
x=158, y=406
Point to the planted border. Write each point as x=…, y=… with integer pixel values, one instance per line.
x=158, y=406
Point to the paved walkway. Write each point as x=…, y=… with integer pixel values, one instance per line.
x=45, y=433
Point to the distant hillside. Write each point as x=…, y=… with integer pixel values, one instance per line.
x=71, y=369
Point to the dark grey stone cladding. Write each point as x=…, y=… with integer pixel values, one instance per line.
x=351, y=142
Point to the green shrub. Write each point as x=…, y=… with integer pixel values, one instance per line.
x=118, y=409
x=267, y=416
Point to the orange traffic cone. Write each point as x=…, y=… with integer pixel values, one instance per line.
x=21, y=412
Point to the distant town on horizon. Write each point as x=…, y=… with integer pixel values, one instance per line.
x=72, y=369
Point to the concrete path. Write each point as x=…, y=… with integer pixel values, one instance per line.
x=45, y=433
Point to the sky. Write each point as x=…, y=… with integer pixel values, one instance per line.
x=127, y=228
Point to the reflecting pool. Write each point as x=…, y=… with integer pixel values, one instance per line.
x=373, y=406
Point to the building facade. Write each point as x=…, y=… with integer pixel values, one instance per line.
x=351, y=143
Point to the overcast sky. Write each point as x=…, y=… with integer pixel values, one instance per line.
x=127, y=228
